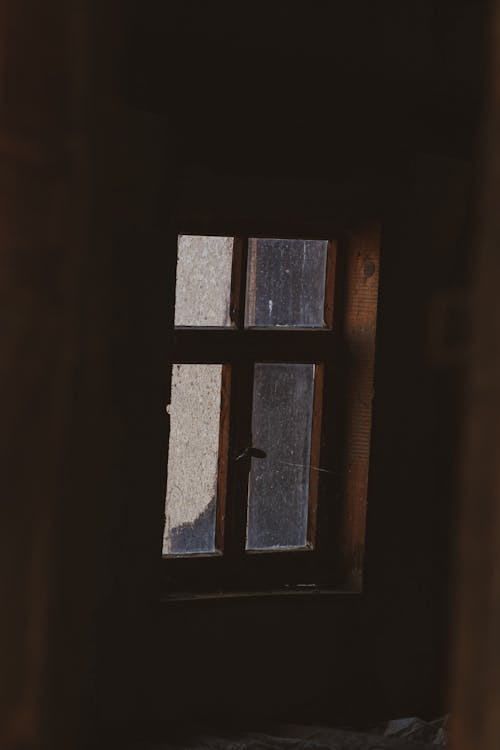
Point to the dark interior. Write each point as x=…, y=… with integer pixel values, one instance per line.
x=157, y=116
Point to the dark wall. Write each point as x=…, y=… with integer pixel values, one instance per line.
x=349, y=657
x=282, y=113
x=118, y=118
x=324, y=115
x=261, y=128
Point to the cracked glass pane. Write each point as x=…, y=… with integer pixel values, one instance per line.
x=279, y=482
x=192, y=459
x=203, y=283
x=286, y=283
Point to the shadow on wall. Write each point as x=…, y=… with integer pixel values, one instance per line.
x=196, y=535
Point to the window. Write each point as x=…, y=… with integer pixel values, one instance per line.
x=270, y=412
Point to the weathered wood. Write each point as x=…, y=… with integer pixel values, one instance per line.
x=476, y=673
x=43, y=180
x=359, y=324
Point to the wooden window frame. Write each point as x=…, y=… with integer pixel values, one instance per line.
x=344, y=353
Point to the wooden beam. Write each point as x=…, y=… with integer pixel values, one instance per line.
x=476, y=671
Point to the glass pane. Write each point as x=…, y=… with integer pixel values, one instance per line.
x=192, y=459
x=279, y=483
x=286, y=283
x=203, y=285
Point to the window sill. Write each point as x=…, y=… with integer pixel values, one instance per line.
x=289, y=591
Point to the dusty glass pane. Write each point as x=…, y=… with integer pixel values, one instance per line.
x=203, y=285
x=192, y=459
x=279, y=484
x=286, y=283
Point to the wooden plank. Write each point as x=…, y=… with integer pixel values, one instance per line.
x=43, y=211
x=359, y=328
x=476, y=670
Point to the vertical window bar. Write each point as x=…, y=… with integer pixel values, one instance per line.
x=241, y=413
x=238, y=281
x=315, y=466
x=239, y=469
x=328, y=519
x=251, y=280
x=331, y=262
x=222, y=474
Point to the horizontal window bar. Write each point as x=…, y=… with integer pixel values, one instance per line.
x=212, y=345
